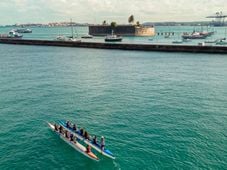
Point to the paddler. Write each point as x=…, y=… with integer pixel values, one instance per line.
x=88, y=149
x=66, y=134
x=67, y=124
x=71, y=137
x=102, y=143
x=81, y=131
x=60, y=129
x=55, y=127
x=86, y=135
x=95, y=140
x=74, y=127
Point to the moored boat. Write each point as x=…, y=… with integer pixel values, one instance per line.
x=14, y=34
x=96, y=146
x=61, y=38
x=113, y=38
x=23, y=30
x=87, y=36
x=74, y=40
x=222, y=41
x=194, y=35
x=76, y=145
x=11, y=34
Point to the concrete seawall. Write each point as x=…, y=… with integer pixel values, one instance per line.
x=121, y=46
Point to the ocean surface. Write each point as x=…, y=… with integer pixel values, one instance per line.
x=156, y=110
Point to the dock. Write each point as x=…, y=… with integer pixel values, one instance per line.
x=120, y=46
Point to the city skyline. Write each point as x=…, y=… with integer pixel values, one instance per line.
x=95, y=11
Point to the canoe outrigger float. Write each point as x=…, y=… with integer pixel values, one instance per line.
x=97, y=147
x=76, y=145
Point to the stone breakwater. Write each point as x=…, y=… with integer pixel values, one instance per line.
x=121, y=46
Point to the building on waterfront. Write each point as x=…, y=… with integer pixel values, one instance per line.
x=123, y=30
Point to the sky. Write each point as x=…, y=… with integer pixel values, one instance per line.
x=95, y=11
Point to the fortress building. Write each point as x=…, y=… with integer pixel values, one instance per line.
x=123, y=30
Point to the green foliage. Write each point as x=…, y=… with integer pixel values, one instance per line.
x=113, y=25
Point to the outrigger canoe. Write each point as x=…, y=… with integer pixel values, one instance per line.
x=76, y=145
x=97, y=147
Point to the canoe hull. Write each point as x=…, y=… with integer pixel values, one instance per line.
x=77, y=146
x=106, y=152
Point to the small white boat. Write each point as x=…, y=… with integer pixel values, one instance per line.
x=87, y=36
x=194, y=35
x=23, y=30
x=76, y=145
x=113, y=38
x=74, y=40
x=61, y=38
x=69, y=38
x=13, y=34
x=222, y=41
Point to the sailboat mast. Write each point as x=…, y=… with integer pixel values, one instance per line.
x=72, y=27
x=225, y=33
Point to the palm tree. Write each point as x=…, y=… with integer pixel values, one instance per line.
x=104, y=22
x=131, y=19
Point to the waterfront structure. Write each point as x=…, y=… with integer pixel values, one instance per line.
x=123, y=30
x=219, y=19
x=121, y=46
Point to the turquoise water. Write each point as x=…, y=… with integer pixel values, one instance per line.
x=156, y=110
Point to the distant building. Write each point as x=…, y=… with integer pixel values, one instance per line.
x=124, y=30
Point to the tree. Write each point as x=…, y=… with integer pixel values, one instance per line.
x=104, y=22
x=113, y=26
x=131, y=19
x=138, y=23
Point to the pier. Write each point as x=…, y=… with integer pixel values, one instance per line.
x=120, y=46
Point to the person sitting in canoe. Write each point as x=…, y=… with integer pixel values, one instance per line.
x=81, y=131
x=86, y=135
x=71, y=137
x=55, y=127
x=88, y=149
x=66, y=134
x=102, y=143
x=60, y=129
x=74, y=127
x=67, y=124
x=95, y=140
